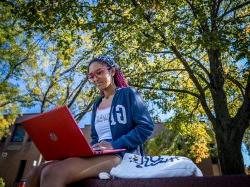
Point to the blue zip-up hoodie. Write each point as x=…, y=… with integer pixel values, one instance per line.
x=130, y=122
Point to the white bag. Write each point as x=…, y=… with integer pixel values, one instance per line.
x=136, y=166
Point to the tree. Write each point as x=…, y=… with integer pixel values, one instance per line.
x=59, y=75
x=190, y=48
x=56, y=72
x=14, y=51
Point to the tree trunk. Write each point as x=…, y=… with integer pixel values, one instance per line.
x=229, y=142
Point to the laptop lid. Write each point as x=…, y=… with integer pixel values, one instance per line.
x=57, y=135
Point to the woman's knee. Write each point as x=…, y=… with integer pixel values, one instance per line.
x=33, y=177
x=50, y=172
x=57, y=170
x=115, y=160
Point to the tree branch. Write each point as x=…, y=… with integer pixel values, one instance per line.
x=234, y=8
x=196, y=83
x=157, y=52
x=243, y=114
x=14, y=68
x=72, y=67
x=51, y=84
x=78, y=92
x=218, y=6
x=237, y=83
x=195, y=108
x=203, y=25
x=163, y=71
x=167, y=90
x=204, y=80
x=45, y=97
x=79, y=116
x=200, y=65
x=67, y=93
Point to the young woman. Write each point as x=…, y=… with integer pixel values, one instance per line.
x=119, y=120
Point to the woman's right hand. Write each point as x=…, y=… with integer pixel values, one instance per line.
x=96, y=147
x=102, y=146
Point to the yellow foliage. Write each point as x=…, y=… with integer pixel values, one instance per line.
x=36, y=91
x=7, y=120
x=182, y=138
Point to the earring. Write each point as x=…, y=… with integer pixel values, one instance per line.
x=113, y=80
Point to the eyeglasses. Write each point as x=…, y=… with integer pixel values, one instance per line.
x=98, y=73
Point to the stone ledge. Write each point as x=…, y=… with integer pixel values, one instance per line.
x=209, y=181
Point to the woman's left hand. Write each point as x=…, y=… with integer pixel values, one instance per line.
x=104, y=145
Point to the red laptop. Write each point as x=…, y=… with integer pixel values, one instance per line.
x=57, y=136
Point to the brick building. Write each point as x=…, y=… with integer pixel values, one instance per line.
x=18, y=155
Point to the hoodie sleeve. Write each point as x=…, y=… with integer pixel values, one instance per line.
x=143, y=124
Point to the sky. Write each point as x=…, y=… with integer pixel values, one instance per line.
x=246, y=156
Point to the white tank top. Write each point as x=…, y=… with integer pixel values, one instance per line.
x=102, y=125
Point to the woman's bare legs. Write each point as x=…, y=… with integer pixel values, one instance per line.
x=33, y=177
x=61, y=173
